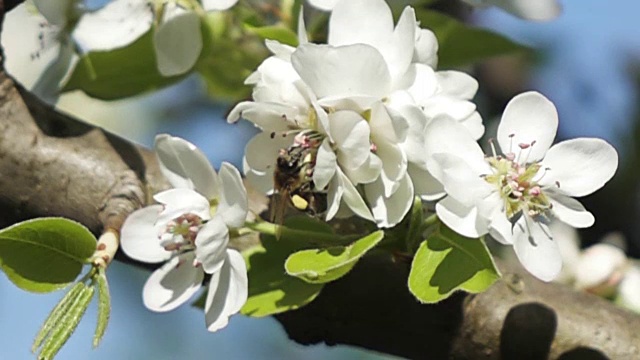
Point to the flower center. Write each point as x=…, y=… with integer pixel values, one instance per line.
x=517, y=184
x=180, y=233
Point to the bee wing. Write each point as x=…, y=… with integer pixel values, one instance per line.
x=278, y=208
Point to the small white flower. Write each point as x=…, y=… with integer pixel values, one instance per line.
x=37, y=45
x=537, y=10
x=513, y=196
x=177, y=35
x=600, y=269
x=629, y=290
x=190, y=231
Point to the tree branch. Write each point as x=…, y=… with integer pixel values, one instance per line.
x=54, y=165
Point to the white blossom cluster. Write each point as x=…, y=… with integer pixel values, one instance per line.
x=379, y=125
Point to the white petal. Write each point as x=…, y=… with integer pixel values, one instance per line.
x=348, y=25
x=352, y=197
x=389, y=211
x=173, y=284
x=342, y=71
x=211, y=244
x=382, y=126
x=233, y=204
x=460, y=180
x=30, y=46
x=217, y=5
x=325, y=166
x=528, y=117
x=421, y=82
x=50, y=82
x=398, y=50
x=424, y=184
x=266, y=116
x=326, y=5
x=181, y=201
x=394, y=161
x=539, y=10
x=536, y=249
x=302, y=29
x=473, y=124
x=440, y=104
x=457, y=84
x=177, y=40
x=426, y=48
x=569, y=245
x=570, y=211
x=185, y=166
x=56, y=12
x=501, y=228
x=629, y=290
x=334, y=197
x=365, y=173
x=139, y=237
x=116, y=25
x=444, y=135
x=260, y=181
x=599, y=264
x=228, y=291
x=462, y=219
x=581, y=166
x=350, y=132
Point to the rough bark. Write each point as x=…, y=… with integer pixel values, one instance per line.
x=54, y=165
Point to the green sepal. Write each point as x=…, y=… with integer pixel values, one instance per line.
x=45, y=254
x=56, y=314
x=319, y=266
x=104, y=306
x=447, y=262
x=279, y=33
x=67, y=324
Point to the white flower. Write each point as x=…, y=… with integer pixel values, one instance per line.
x=537, y=10
x=177, y=36
x=513, y=196
x=190, y=231
x=39, y=52
x=369, y=93
x=600, y=269
x=325, y=5
x=629, y=290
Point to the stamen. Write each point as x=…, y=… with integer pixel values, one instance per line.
x=493, y=148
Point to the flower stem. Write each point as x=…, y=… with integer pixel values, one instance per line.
x=320, y=238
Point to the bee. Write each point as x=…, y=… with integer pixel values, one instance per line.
x=293, y=178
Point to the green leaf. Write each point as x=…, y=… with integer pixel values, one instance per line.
x=271, y=290
x=120, y=73
x=63, y=330
x=460, y=44
x=447, y=262
x=104, y=307
x=279, y=33
x=319, y=266
x=45, y=254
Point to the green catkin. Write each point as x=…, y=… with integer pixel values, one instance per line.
x=104, y=307
x=54, y=316
x=67, y=325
